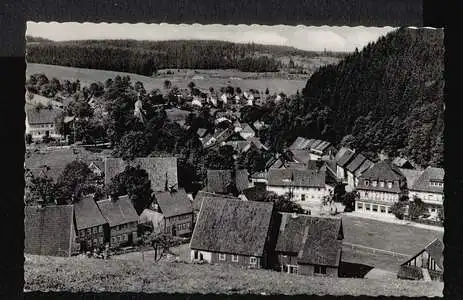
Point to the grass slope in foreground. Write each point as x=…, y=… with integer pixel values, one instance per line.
x=90, y=275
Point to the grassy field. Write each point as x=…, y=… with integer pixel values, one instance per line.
x=82, y=274
x=387, y=236
x=202, y=78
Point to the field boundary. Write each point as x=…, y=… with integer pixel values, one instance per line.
x=374, y=250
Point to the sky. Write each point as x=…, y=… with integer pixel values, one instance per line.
x=311, y=38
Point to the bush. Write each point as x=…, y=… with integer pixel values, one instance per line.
x=398, y=209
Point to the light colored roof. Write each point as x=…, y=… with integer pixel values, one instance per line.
x=88, y=214
x=174, y=203
x=411, y=176
x=120, y=211
x=296, y=178
x=423, y=183
x=42, y=116
x=232, y=226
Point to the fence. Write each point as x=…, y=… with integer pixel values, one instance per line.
x=375, y=250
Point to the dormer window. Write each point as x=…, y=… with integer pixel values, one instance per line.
x=389, y=184
x=374, y=183
x=367, y=182
x=381, y=184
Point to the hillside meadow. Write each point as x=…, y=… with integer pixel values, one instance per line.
x=93, y=275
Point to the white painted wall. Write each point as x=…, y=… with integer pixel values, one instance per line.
x=430, y=198
x=207, y=256
x=311, y=194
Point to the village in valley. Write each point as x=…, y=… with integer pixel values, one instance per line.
x=114, y=171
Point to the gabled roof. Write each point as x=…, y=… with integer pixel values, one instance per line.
x=356, y=162
x=315, y=240
x=346, y=158
x=42, y=116
x=302, y=156
x=48, y=230
x=382, y=171
x=411, y=176
x=341, y=152
x=274, y=163
x=301, y=143
x=118, y=212
x=201, y=195
x=158, y=168
x=246, y=128
x=296, y=178
x=322, y=146
x=256, y=141
x=88, y=214
x=436, y=252
x=232, y=226
x=174, y=203
x=218, y=181
x=98, y=164
x=363, y=167
x=430, y=174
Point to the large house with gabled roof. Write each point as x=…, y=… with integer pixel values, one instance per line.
x=379, y=188
x=91, y=226
x=309, y=245
x=177, y=211
x=429, y=187
x=230, y=231
x=42, y=122
x=316, y=148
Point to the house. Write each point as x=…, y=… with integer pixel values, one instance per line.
x=427, y=264
x=230, y=231
x=42, y=122
x=122, y=219
x=429, y=187
x=309, y=245
x=359, y=164
x=159, y=169
x=411, y=175
x=317, y=148
x=201, y=195
x=343, y=158
x=225, y=181
x=50, y=230
x=379, y=188
x=177, y=210
x=402, y=163
x=152, y=219
x=91, y=226
x=305, y=187
x=258, y=178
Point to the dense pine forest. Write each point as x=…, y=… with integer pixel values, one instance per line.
x=388, y=97
x=146, y=57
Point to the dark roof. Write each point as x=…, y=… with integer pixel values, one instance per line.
x=255, y=193
x=118, y=212
x=430, y=174
x=315, y=240
x=239, y=146
x=201, y=195
x=356, y=162
x=156, y=167
x=322, y=146
x=436, y=251
x=296, y=177
x=232, y=226
x=48, y=230
x=410, y=273
x=383, y=171
x=346, y=158
x=400, y=162
x=296, y=165
x=42, y=116
x=363, y=167
x=88, y=214
x=174, y=203
x=219, y=180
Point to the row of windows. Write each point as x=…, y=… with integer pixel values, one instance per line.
x=319, y=270
x=381, y=195
x=382, y=184
x=44, y=126
x=120, y=238
x=89, y=231
x=179, y=218
x=373, y=207
x=235, y=258
x=122, y=226
x=183, y=226
x=95, y=242
x=436, y=184
x=40, y=133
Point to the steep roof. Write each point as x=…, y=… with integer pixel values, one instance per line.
x=356, y=162
x=435, y=250
x=201, y=195
x=174, y=203
x=219, y=180
x=383, y=171
x=118, y=212
x=341, y=152
x=322, y=146
x=430, y=174
x=302, y=143
x=302, y=156
x=158, y=168
x=88, y=214
x=346, y=158
x=42, y=116
x=411, y=176
x=315, y=240
x=296, y=177
x=363, y=167
x=48, y=230
x=232, y=226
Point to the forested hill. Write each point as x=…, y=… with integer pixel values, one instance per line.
x=389, y=96
x=145, y=57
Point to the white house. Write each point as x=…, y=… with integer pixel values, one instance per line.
x=305, y=187
x=40, y=123
x=429, y=187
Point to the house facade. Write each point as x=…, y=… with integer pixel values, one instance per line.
x=343, y=158
x=316, y=148
x=309, y=245
x=425, y=265
x=230, y=231
x=122, y=220
x=429, y=187
x=177, y=209
x=92, y=228
x=379, y=188
x=305, y=187
x=40, y=123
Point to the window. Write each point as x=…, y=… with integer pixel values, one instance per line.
x=382, y=209
x=389, y=184
x=126, y=237
x=433, y=210
x=89, y=243
x=82, y=232
x=113, y=239
x=302, y=197
x=367, y=206
x=95, y=242
x=359, y=205
x=222, y=256
x=94, y=230
x=319, y=270
x=100, y=240
x=234, y=258
x=375, y=207
x=100, y=228
x=374, y=183
x=89, y=231
x=381, y=183
x=253, y=260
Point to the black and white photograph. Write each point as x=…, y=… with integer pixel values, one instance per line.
x=234, y=159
